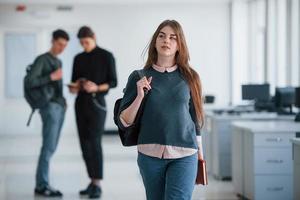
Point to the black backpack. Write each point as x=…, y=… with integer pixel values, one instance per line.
x=129, y=135
x=36, y=97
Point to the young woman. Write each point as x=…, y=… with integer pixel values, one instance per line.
x=169, y=143
x=93, y=75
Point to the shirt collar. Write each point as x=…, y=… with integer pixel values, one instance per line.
x=163, y=69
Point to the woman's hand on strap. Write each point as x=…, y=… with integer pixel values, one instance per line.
x=142, y=84
x=128, y=115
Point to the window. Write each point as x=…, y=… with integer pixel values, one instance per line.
x=20, y=51
x=257, y=28
x=295, y=43
x=271, y=45
x=248, y=45
x=281, y=29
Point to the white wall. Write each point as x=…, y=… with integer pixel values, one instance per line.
x=240, y=49
x=125, y=30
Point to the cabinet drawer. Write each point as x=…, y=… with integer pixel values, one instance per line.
x=224, y=143
x=273, y=161
x=225, y=165
x=273, y=140
x=296, y=181
x=273, y=187
x=223, y=127
x=296, y=153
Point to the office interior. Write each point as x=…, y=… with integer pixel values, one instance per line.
x=245, y=51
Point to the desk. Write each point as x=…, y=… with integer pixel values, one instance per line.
x=217, y=139
x=262, y=159
x=296, y=164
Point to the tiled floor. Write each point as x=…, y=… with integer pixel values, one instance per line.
x=18, y=157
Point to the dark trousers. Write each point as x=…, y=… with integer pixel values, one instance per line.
x=90, y=117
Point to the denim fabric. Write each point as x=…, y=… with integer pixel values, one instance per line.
x=52, y=118
x=168, y=179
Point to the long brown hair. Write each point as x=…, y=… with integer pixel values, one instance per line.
x=182, y=60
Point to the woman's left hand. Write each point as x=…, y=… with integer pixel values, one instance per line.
x=90, y=87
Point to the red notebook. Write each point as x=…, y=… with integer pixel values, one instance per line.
x=201, y=173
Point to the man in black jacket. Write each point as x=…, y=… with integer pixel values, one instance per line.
x=47, y=71
x=93, y=74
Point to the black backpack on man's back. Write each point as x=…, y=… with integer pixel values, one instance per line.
x=36, y=97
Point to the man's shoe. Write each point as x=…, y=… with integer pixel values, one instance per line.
x=47, y=191
x=95, y=192
x=87, y=190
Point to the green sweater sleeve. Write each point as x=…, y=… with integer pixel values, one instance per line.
x=37, y=79
x=130, y=94
x=194, y=117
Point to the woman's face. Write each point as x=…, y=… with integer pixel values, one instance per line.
x=88, y=43
x=166, y=42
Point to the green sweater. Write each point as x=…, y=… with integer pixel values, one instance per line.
x=169, y=116
x=40, y=76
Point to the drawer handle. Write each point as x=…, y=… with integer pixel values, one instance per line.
x=274, y=139
x=274, y=189
x=274, y=161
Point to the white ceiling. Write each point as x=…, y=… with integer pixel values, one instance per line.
x=71, y=2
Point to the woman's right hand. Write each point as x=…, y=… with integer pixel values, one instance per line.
x=74, y=87
x=142, y=84
x=129, y=114
x=56, y=75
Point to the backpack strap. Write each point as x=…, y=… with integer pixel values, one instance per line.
x=30, y=116
x=141, y=75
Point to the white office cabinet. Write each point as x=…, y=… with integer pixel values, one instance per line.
x=206, y=142
x=237, y=162
x=296, y=164
x=218, y=138
x=262, y=159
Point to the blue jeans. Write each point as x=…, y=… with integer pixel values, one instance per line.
x=52, y=118
x=168, y=179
